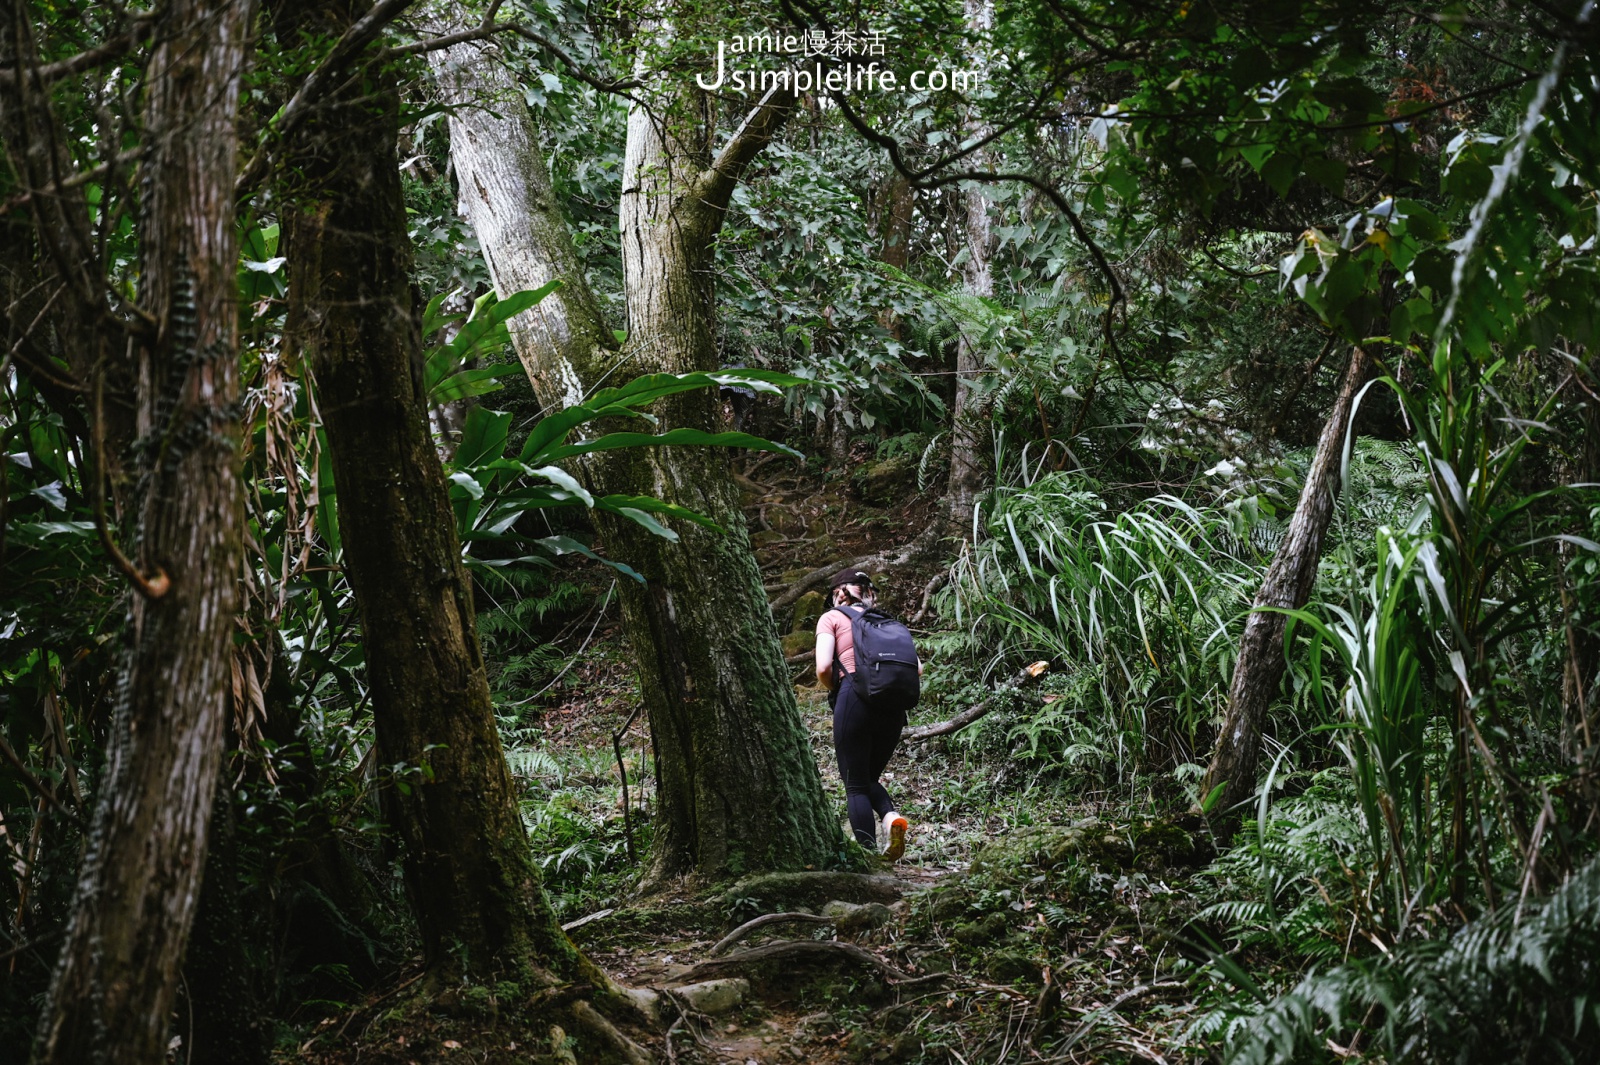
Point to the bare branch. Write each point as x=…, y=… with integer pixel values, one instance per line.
x=968, y=716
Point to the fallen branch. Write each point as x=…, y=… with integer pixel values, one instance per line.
x=894, y=556
x=760, y=922
x=968, y=716
x=792, y=951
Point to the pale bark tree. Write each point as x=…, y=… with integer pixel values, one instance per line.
x=116, y=980
x=737, y=788
x=969, y=418
x=1258, y=672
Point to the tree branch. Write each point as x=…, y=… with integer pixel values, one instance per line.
x=489, y=29
x=894, y=556
x=968, y=716
x=318, y=84
x=753, y=134
x=114, y=48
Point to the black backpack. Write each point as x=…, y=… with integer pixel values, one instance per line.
x=886, y=659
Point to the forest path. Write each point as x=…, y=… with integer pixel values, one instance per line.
x=1045, y=941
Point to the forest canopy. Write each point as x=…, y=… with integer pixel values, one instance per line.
x=434, y=436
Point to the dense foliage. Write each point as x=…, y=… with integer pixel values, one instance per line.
x=1191, y=215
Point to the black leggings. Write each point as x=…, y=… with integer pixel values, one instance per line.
x=864, y=738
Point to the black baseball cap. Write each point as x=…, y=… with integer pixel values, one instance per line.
x=850, y=576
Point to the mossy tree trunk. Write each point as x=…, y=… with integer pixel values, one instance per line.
x=353, y=317
x=118, y=972
x=1258, y=672
x=738, y=789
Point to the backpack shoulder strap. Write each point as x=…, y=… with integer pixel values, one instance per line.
x=843, y=608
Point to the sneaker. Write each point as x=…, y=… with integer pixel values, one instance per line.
x=897, y=826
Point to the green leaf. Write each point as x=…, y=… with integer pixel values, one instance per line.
x=483, y=438
x=559, y=476
x=677, y=437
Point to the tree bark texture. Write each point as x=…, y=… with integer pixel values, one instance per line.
x=738, y=789
x=969, y=421
x=116, y=979
x=1258, y=673
x=469, y=872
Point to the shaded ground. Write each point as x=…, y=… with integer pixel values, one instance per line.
x=1034, y=921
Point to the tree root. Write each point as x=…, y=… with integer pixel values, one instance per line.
x=790, y=952
x=760, y=922
x=791, y=891
x=608, y=1033
x=968, y=716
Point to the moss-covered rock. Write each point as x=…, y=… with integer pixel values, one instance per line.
x=982, y=932
x=806, y=611
x=1011, y=967
x=1147, y=844
x=886, y=480
x=796, y=642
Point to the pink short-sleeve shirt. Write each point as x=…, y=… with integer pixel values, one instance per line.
x=844, y=642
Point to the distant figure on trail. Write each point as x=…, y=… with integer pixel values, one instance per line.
x=870, y=693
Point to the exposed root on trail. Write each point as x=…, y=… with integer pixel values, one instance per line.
x=791, y=951
x=761, y=922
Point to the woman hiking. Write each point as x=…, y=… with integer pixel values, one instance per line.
x=863, y=736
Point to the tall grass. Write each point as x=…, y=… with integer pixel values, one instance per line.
x=1140, y=610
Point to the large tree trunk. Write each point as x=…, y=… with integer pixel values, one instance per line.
x=469, y=872
x=969, y=420
x=115, y=983
x=1259, y=670
x=738, y=789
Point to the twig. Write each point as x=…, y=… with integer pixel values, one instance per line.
x=771, y=918
x=48, y=937
x=1094, y=1018
x=968, y=716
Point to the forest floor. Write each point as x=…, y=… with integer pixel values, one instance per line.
x=1030, y=920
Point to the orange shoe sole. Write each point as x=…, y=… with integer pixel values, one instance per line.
x=897, y=839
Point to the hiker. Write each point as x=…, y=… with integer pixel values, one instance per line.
x=869, y=710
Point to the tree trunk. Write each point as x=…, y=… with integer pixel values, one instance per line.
x=469, y=872
x=1259, y=670
x=116, y=980
x=969, y=420
x=738, y=789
